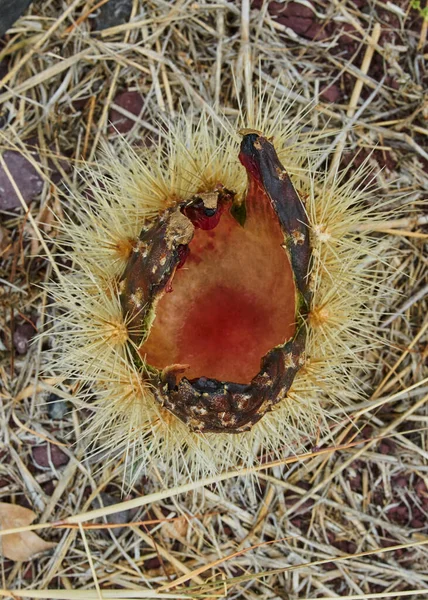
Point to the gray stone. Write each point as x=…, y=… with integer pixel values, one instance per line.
x=114, y=12
x=122, y=517
x=57, y=407
x=10, y=11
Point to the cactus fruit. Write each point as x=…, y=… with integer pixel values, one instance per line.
x=212, y=296
x=227, y=337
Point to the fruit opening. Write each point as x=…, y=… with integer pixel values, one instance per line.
x=232, y=301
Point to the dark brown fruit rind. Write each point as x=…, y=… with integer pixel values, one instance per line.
x=161, y=249
x=262, y=163
x=205, y=404
x=210, y=405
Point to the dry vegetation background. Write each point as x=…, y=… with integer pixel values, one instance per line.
x=349, y=522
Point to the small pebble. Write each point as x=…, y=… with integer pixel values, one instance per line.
x=22, y=337
x=57, y=407
x=28, y=180
x=46, y=454
x=331, y=93
x=130, y=101
x=124, y=516
x=112, y=13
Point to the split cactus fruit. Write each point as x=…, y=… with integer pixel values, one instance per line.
x=224, y=294
x=221, y=341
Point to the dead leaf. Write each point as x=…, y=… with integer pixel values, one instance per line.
x=177, y=529
x=19, y=546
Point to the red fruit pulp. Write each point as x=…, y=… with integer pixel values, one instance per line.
x=232, y=301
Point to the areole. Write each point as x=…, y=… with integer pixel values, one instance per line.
x=216, y=296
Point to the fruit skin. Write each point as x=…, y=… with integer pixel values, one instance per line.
x=159, y=251
x=204, y=404
x=260, y=159
x=209, y=405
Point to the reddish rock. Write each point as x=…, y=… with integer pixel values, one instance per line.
x=297, y=24
x=130, y=101
x=400, y=482
x=347, y=546
x=387, y=447
x=398, y=514
x=28, y=180
x=316, y=32
x=421, y=488
x=378, y=498
x=355, y=483
x=301, y=19
x=422, y=492
x=291, y=9
x=392, y=82
x=49, y=487
x=29, y=573
x=22, y=337
x=46, y=454
x=331, y=93
x=25, y=175
x=349, y=34
x=418, y=523
x=152, y=564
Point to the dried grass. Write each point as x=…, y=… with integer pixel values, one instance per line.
x=347, y=521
